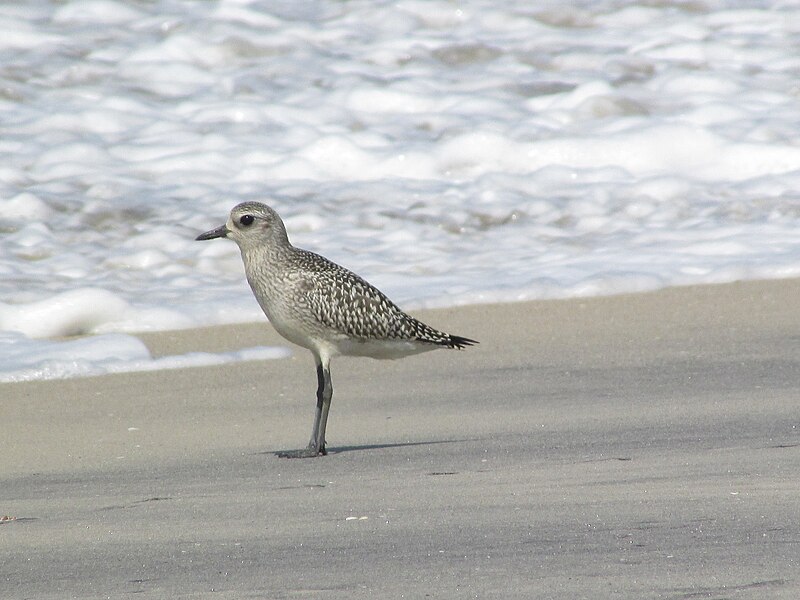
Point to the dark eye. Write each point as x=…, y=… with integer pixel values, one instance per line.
x=246, y=220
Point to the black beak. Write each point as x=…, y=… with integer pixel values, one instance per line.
x=220, y=232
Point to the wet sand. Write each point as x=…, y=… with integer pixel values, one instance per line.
x=637, y=446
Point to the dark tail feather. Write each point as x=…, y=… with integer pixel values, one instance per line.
x=456, y=341
x=425, y=333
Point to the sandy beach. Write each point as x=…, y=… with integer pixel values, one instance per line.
x=637, y=446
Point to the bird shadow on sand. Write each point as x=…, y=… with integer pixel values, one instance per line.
x=365, y=447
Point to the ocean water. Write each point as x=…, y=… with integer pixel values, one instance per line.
x=450, y=152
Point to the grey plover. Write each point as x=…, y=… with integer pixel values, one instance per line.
x=322, y=306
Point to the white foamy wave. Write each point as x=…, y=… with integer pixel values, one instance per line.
x=26, y=360
x=450, y=153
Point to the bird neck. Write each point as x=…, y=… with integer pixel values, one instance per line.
x=271, y=251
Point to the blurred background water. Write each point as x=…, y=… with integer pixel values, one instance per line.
x=450, y=152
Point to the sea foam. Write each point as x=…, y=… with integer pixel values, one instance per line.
x=450, y=153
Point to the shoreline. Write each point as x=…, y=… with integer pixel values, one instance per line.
x=180, y=341
x=705, y=320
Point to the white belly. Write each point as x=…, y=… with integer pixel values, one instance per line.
x=381, y=348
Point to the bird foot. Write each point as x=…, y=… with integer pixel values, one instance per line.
x=310, y=452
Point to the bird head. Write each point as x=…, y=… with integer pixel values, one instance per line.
x=250, y=223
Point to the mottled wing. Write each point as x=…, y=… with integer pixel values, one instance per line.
x=344, y=302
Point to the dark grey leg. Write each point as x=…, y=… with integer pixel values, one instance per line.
x=324, y=395
x=316, y=445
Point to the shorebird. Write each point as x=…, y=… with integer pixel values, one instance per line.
x=321, y=306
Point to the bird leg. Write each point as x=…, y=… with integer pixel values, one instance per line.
x=324, y=395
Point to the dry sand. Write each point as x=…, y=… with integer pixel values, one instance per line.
x=638, y=446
